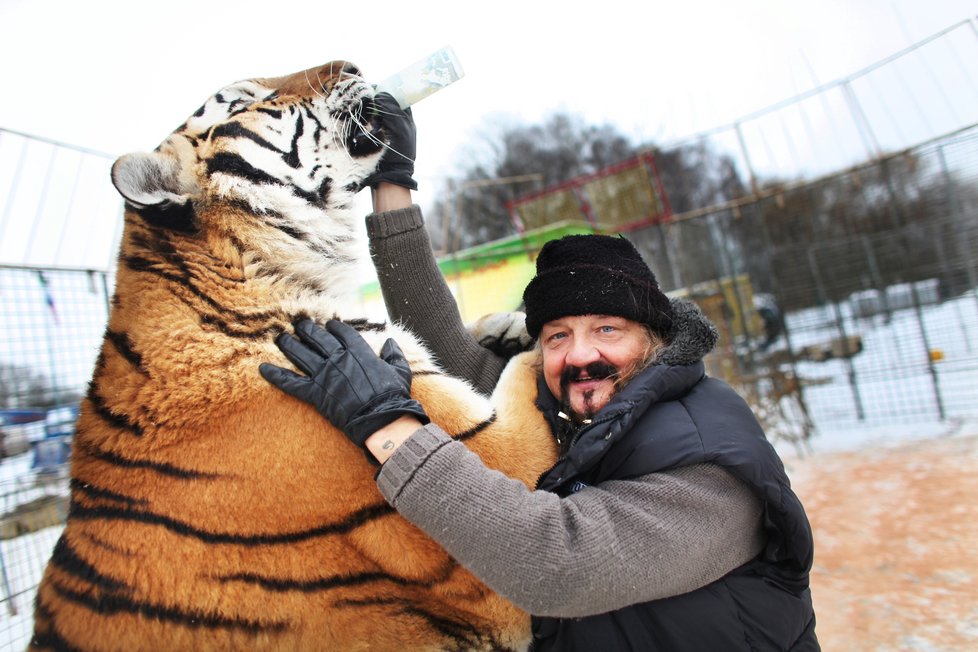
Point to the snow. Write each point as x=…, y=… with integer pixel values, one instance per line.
x=914, y=371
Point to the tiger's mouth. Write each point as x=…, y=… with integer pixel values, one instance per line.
x=365, y=135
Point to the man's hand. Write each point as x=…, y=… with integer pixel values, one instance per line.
x=345, y=380
x=401, y=138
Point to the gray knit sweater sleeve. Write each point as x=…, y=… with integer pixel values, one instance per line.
x=417, y=296
x=605, y=547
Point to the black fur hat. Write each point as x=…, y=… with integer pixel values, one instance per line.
x=595, y=275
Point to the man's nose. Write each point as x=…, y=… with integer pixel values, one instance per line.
x=582, y=353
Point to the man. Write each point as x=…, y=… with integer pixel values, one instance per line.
x=667, y=524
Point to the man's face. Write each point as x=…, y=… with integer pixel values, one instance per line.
x=583, y=357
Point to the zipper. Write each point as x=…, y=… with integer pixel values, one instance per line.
x=574, y=439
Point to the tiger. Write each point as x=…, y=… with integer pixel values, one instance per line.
x=208, y=510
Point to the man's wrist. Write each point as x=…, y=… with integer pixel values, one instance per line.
x=389, y=196
x=385, y=441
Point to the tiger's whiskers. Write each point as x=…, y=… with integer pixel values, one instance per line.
x=305, y=73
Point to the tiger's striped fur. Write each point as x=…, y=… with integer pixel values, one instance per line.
x=210, y=511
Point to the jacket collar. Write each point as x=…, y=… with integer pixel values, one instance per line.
x=692, y=337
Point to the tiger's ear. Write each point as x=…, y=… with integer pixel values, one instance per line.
x=149, y=180
x=150, y=183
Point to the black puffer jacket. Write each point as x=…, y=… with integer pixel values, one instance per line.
x=669, y=416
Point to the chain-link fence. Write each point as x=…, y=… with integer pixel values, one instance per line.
x=856, y=295
x=59, y=225
x=51, y=327
x=830, y=236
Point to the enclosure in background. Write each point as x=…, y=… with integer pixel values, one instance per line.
x=857, y=293
x=844, y=301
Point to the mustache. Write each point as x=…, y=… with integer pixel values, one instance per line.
x=597, y=370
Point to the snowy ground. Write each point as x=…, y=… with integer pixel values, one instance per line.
x=913, y=367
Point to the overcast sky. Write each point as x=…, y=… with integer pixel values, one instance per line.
x=119, y=76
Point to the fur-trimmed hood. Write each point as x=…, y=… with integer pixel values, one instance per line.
x=692, y=336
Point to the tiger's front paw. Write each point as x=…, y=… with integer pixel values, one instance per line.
x=503, y=333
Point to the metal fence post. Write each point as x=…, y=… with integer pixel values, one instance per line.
x=954, y=203
x=840, y=326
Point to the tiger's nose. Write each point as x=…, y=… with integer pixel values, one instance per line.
x=350, y=69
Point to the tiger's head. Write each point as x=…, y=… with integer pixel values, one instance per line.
x=288, y=153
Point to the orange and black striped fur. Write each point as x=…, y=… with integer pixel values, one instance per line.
x=210, y=511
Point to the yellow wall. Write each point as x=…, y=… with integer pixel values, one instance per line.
x=493, y=288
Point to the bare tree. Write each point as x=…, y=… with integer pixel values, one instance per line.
x=473, y=210
x=556, y=151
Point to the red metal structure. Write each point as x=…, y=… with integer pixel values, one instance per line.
x=621, y=197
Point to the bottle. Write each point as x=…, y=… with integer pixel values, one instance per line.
x=424, y=77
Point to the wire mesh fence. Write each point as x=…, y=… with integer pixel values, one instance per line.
x=33, y=507
x=860, y=288
x=57, y=207
x=50, y=330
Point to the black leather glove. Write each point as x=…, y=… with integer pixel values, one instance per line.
x=401, y=136
x=345, y=380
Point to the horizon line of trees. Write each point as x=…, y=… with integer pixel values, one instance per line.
x=887, y=220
